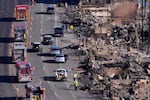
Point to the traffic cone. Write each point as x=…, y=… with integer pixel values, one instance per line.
x=33, y=2
x=30, y=28
x=30, y=36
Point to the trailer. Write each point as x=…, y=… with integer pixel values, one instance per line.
x=20, y=33
x=35, y=91
x=24, y=71
x=18, y=52
x=22, y=12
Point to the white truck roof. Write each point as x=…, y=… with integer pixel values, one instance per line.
x=19, y=45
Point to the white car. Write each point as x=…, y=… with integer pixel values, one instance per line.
x=60, y=58
x=55, y=50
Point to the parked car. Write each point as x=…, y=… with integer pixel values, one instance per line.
x=36, y=46
x=55, y=50
x=60, y=58
x=47, y=39
x=58, y=31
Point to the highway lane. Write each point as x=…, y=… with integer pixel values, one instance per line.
x=44, y=23
x=7, y=80
x=35, y=60
x=6, y=17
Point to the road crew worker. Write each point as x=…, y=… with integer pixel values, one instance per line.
x=75, y=84
x=74, y=77
x=71, y=27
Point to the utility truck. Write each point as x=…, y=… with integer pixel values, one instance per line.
x=18, y=52
x=35, y=91
x=20, y=33
x=22, y=12
x=24, y=71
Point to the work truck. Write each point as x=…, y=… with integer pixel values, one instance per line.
x=20, y=32
x=24, y=71
x=35, y=91
x=18, y=52
x=22, y=12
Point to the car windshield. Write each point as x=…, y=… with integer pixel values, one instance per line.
x=61, y=71
x=55, y=49
x=36, y=45
x=50, y=8
x=48, y=38
x=59, y=56
x=58, y=29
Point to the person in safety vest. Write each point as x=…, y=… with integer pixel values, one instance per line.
x=75, y=84
x=74, y=77
x=71, y=27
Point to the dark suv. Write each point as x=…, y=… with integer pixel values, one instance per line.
x=58, y=31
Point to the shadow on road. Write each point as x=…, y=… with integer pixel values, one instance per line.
x=44, y=54
x=6, y=39
x=6, y=60
x=48, y=1
x=11, y=98
x=8, y=79
x=48, y=34
x=7, y=19
x=31, y=51
x=49, y=78
x=52, y=61
x=44, y=13
x=70, y=2
x=48, y=61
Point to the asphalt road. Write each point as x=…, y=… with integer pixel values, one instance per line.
x=7, y=85
x=7, y=91
x=42, y=23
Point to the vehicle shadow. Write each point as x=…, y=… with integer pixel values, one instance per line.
x=11, y=98
x=42, y=13
x=30, y=50
x=48, y=1
x=6, y=60
x=49, y=78
x=8, y=79
x=70, y=2
x=6, y=39
x=7, y=19
x=52, y=61
x=44, y=54
x=47, y=34
x=49, y=61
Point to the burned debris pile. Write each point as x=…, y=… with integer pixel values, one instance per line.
x=115, y=50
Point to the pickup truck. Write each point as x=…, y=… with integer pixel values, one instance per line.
x=61, y=74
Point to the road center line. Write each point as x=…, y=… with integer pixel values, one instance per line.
x=56, y=94
x=57, y=41
x=43, y=68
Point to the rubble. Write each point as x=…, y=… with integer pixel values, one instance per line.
x=113, y=54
